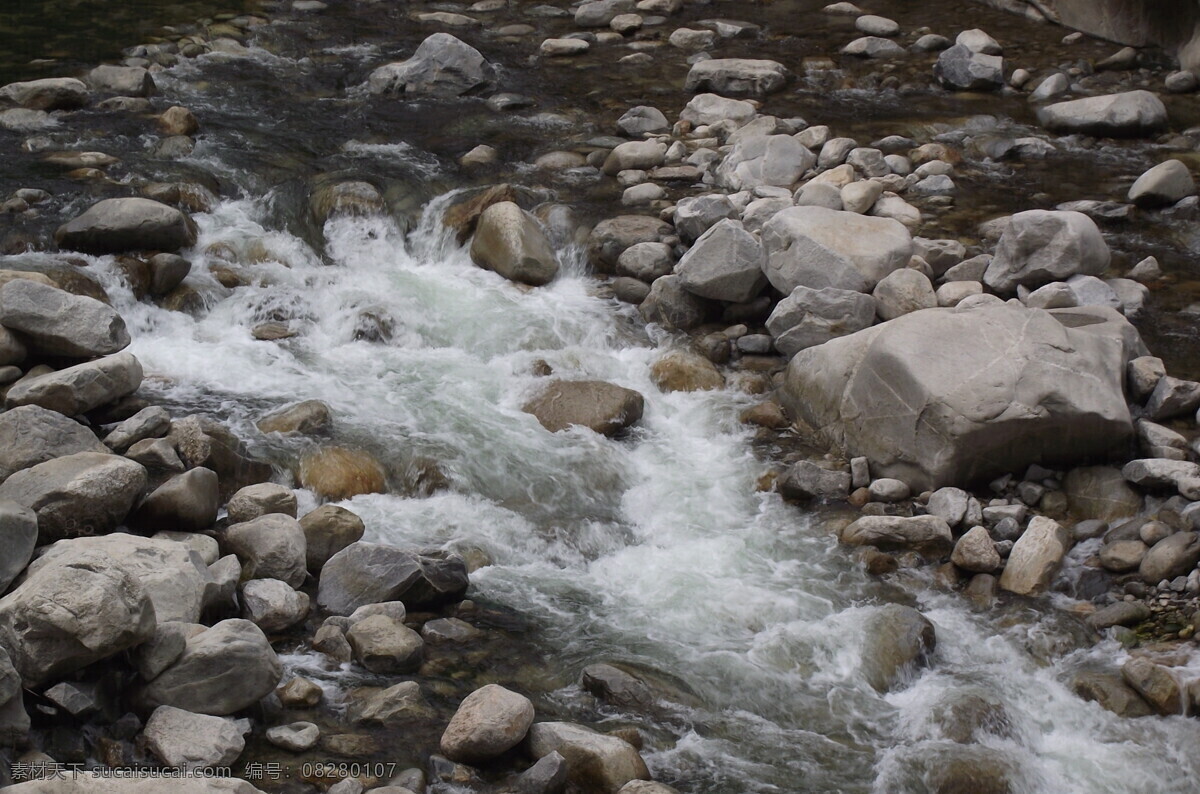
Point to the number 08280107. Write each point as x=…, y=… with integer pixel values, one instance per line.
x=340, y=770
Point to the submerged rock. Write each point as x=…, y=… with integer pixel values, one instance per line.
x=441, y=66
x=56, y=323
x=597, y=763
x=898, y=639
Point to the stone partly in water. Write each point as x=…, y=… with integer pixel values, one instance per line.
x=602, y=407
x=510, y=241
x=964, y=414
x=127, y=224
x=488, y=723
x=897, y=640
x=1129, y=114
x=809, y=317
x=1036, y=557
x=52, y=93
x=338, y=473
x=927, y=534
x=597, y=763
x=373, y=573
x=1041, y=246
x=737, y=77
x=441, y=66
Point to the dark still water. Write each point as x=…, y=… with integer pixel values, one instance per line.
x=49, y=38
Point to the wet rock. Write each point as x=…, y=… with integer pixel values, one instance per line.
x=81, y=388
x=1036, y=557
x=510, y=242
x=1155, y=684
x=328, y=530
x=222, y=670
x=442, y=66
x=809, y=317
x=547, y=776
x=601, y=13
x=1165, y=183
x=177, y=120
x=300, y=693
x=134, y=81
x=371, y=573
x=604, y=408
x=127, y=224
x=395, y=704
x=1058, y=393
x=1040, y=246
x=683, y=371
x=616, y=686
x=331, y=641
x=1173, y=556
x=295, y=737
x=1111, y=693
x=57, y=323
x=30, y=435
x=1099, y=492
x=815, y=247
x=270, y=547
x=596, y=763
x=337, y=473
x=52, y=93
x=488, y=723
x=764, y=160
x=724, y=264
x=190, y=741
x=310, y=417
x=898, y=639
x=1128, y=114
x=962, y=69
x=965, y=716
x=736, y=77
x=873, y=47
x=262, y=499
x=1122, y=556
x=61, y=618
x=1121, y=613
x=354, y=198
x=806, y=480
x=187, y=502
x=976, y=552
x=273, y=605
x=384, y=645
x=927, y=534
x=85, y=493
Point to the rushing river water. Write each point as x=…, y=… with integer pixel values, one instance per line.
x=656, y=549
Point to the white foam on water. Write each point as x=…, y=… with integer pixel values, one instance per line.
x=655, y=548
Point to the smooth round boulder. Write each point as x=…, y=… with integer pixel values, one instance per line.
x=509, y=241
x=488, y=723
x=269, y=547
x=601, y=407
x=261, y=499
x=127, y=224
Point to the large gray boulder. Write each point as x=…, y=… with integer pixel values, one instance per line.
x=18, y=536
x=56, y=323
x=762, y=160
x=30, y=435
x=952, y=396
x=123, y=80
x=51, y=93
x=1041, y=246
x=1175, y=555
x=1165, y=183
x=174, y=576
x=88, y=493
x=328, y=530
x=510, y=241
x=710, y=108
x=127, y=224
x=184, y=740
x=273, y=605
x=726, y=264
x=963, y=69
x=673, y=307
x=64, y=616
x=597, y=762
x=737, y=77
x=371, y=573
x=187, y=502
x=809, y=317
x=926, y=534
x=222, y=670
x=81, y=388
x=386, y=646
x=611, y=237
x=902, y=292
x=695, y=215
x=817, y=247
x=441, y=66
x=602, y=407
x=488, y=723
x=1125, y=115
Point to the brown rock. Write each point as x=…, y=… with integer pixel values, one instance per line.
x=602, y=407
x=337, y=473
x=683, y=371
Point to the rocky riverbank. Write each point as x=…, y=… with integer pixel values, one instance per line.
x=992, y=404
